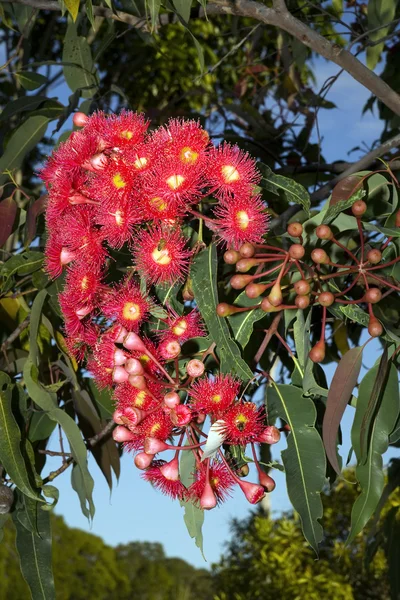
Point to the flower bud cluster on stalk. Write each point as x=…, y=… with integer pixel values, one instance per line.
x=116, y=189
x=298, y=277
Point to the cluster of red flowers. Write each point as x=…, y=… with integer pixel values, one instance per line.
x=113, y=184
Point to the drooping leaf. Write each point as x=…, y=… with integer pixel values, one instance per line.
x=154, y=9
x=242, y=323
x=204, y=275
x=341, y=205
x=373, y=402
x=30, y=80
x=194, y=516
x=22, y=264
x=34, y=210
x=25, y=103
x=340, y=391
x=183, y=8
x=35, y=556
x=23, y=140
x=380, y=13
x=370, y=474
x=10, y=439
x=8, y=212
x=40, y=426
x=290, y=189
x=77, y=51
x=304, y=459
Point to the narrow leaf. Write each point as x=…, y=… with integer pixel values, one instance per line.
x=30, y=80
x=22, y=141
x=77, y=51
x=194, y=516
x=204, y=276
x=73, y=8
x=242, y=323
x=10, y=439
x=340, y=391
x=288, y=188
x=370, y=474
x=35, y=556
x=304, y=459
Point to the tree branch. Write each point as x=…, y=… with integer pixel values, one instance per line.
x=279, y=17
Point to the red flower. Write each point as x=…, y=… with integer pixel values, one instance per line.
x=111, y=185
x=184, y=140
x=57, y=256
x=161, y=256
x=183, y=327
x=82, y=237
x=243, y=423
x=214, y=397
x=126, y=304
x=118, y=221
x=157, y=425
x=241, y=219
x=82, y=285
x=118, y=131
x=230, y=170
x=218, y=477
x=165, y=477
x=127, y=396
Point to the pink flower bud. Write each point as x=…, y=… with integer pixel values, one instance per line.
x=99, y=161
x=171, y=399
x=117, y=417
x=78, y=198
x=133, y=342
x=270, y=435
x=169, y=349
x=254, y=493
x=129, y=417
x=134, y=366
x=120, y=375
x=171, y=470
x=122, y=434
x=153, y=446
x=80, y=119
x=181, y=415
x=195, y=368
x=266, y=481
x=138, y=382
x=119, y=357
x=66, y=256
x=83, y=311
x=208, y=499
x=143, y=460
x=120, y=333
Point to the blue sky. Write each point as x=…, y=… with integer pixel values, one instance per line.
x=135, y=511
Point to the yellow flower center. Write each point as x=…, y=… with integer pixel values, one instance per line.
x=156, y=427
x=118, y=181
x=85, y=283
x=140, y=398
x=188, y=156
x=158, y=203
x=131, y=311
x=241, y=420
x=175, y=181
x=128, y=135
x=230, y=173
x=144, y=359
x=217, y=398
x=161, y=257
x=140, y=162
x=180, y=328
x=242, y=219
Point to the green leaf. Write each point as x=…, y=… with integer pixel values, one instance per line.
x=47, y=402
x=73, y=8
x=89, y=13
x=102, y=399
x=30, y=80
x=78, y=484
x=22, y=264
x=242, y=323
x=370, y=474
x=380, y=12
x=288, y=188
x=35, y=556
x=36, y=314
x=77, y=51
x=375, y=398
x=194, y=516
x=23, y=140
x=334, y=210
x=154, y=9
x=204, y=281
x=40, y=427
x=338, y=7
x=25, y=103
x=183, y=8
x=10, y=440
x=340, y=391
x=50, y=491
x=304, y=459
x=3, y=520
